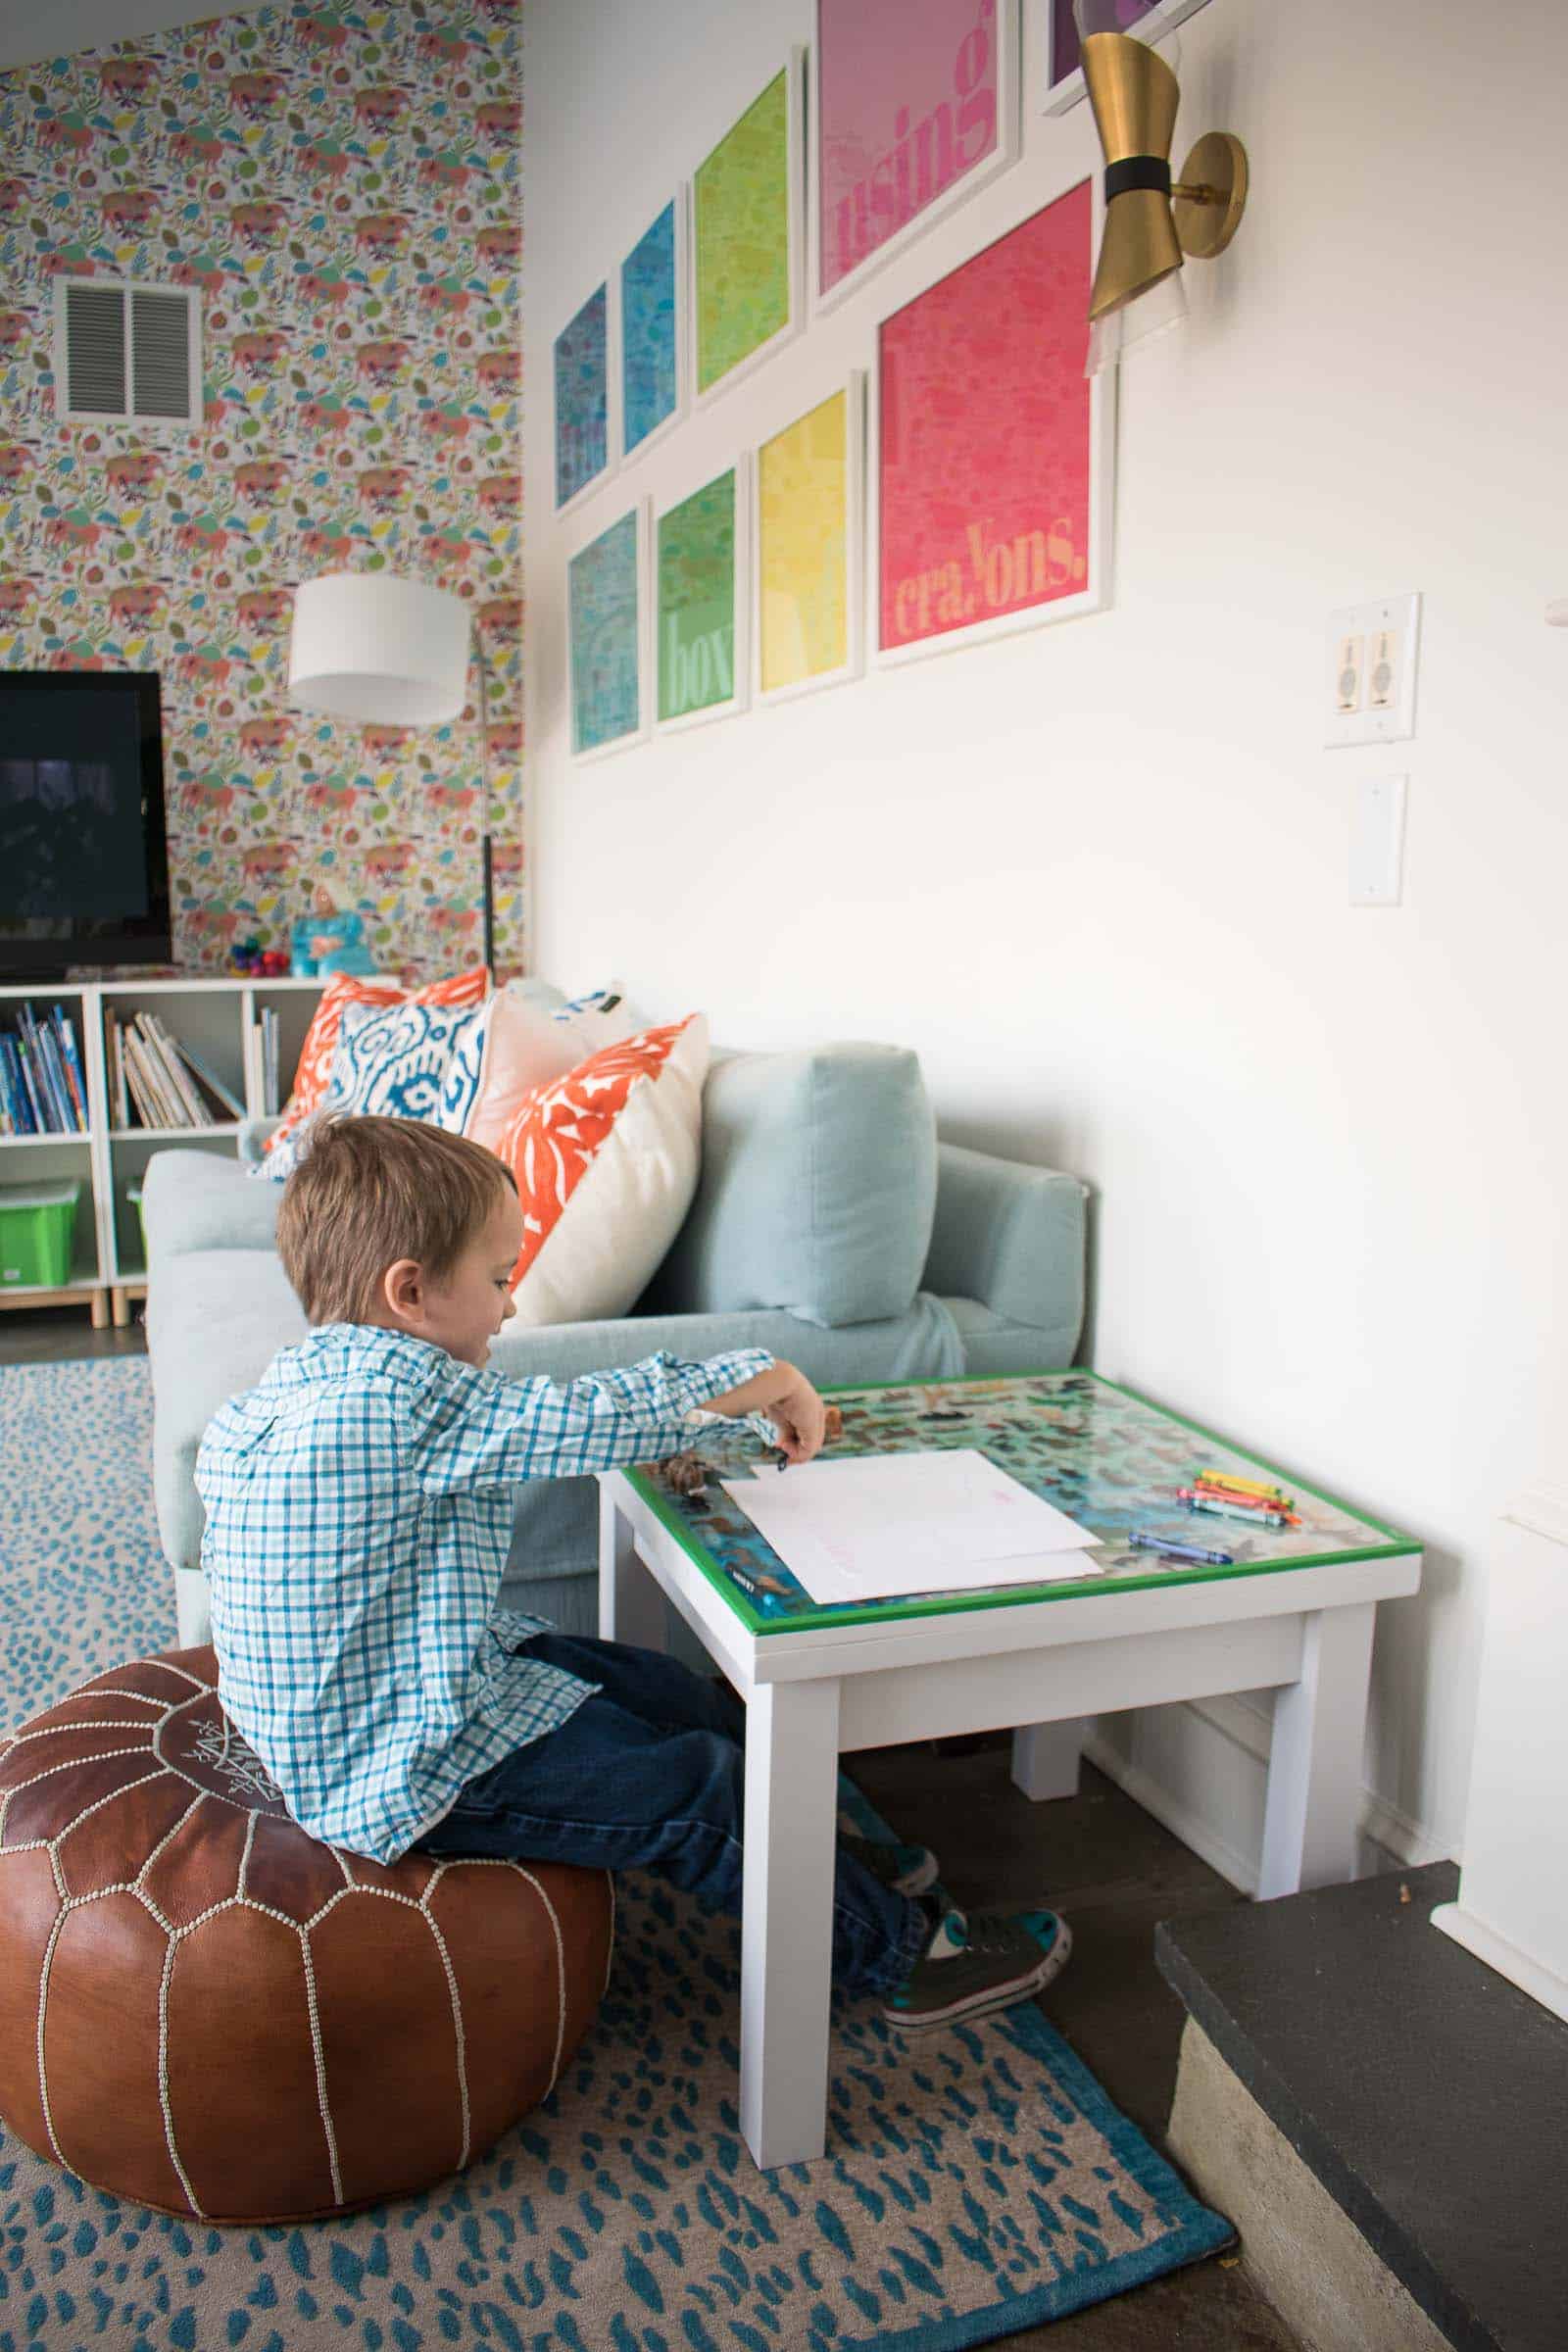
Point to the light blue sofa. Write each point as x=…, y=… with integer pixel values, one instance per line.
x=830, y=1225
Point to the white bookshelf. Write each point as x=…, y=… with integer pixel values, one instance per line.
x=222, y=1020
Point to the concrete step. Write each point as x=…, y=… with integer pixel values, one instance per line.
x=1383, y=2116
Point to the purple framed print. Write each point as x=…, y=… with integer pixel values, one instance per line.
x=915, y=105
x=1064, y=81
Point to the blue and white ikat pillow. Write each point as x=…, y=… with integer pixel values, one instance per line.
x=398, y=1062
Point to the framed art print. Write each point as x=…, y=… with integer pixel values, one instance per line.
x=916, y=105
x=992, y=478
x=1064, y=81
x=653, y=344
x=609, y=689
x=808, y=522
x=749, y=236
x=582, y=389
x=699, y=571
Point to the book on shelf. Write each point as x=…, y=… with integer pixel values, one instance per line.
x=162, y=1081
x=268, y=1028
x=42, y=1091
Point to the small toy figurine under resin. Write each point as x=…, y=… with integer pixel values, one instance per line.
x=687, y=1472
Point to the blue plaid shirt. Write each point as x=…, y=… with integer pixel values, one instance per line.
x=359, y=1516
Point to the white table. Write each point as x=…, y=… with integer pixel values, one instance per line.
x=815, y=1694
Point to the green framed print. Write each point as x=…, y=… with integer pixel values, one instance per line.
x=701, y=564
x=607, y=637
x=749, y=235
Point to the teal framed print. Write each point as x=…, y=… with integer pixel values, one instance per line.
x=607, y=638
x=584, y=381
x=654, y=358
x=700, y=572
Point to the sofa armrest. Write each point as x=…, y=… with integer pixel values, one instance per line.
x=1010, y=1235
x=194, y=1200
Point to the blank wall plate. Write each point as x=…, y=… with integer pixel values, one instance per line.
x=1372, y=655
x=1377, y=841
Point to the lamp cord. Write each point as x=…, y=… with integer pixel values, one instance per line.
x=484, y=811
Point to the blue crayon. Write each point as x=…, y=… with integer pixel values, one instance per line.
x=1174, y=1549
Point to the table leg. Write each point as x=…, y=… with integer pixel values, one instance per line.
x=631, y=1606
x=1314, y=1768
x=1046, y=1757
x=792, y=1759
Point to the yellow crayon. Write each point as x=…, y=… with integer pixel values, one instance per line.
x=1240, y=1486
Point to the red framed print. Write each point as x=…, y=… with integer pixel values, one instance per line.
x=991, y=480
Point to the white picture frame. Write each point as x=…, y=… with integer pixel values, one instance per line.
x=738, y=697
x=1009, y=149
x=794, y=69
x=586, y=490
x=854, y=387
x=642, y=511
x=683, y=346
x=1096, y=596
x=1062, y=98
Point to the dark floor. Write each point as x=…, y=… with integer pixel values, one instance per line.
x=1111, y=1870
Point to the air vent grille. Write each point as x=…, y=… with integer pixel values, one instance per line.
x=127, y=353
x=95, y=350
x=159, y=345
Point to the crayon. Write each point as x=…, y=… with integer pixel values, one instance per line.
x=1239, y=1486
x=1224, y=1508
x=1145, y=1541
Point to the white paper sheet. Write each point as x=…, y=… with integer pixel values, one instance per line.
x=876, y=1526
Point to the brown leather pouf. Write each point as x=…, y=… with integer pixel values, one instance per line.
x=208, y=2011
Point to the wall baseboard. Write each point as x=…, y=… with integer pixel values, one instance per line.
x=1215, y=1804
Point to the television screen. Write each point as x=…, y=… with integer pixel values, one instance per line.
x=83, y=868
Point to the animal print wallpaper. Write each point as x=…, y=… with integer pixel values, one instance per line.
x=342, y=183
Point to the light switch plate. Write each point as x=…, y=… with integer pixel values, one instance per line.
x=1377, y=841
x=1372, y=655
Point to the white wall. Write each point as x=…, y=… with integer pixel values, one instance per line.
x=1097, y=872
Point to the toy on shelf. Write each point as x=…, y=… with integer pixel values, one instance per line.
x=249, y=960
x=325, y=940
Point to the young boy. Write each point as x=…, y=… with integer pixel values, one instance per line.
x=359, y=1516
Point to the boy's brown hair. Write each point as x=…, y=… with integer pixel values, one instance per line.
x=369, y=1191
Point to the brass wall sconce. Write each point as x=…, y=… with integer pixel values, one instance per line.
x=1153, y=223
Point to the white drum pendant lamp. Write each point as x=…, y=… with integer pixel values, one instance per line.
x=367, y=645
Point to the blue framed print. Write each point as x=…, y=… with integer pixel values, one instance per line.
x=652, y=371
x=582, y=398
x=607, y=637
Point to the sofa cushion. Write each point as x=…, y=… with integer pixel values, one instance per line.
x=817, y=1188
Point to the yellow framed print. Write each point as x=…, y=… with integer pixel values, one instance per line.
x=808, y=529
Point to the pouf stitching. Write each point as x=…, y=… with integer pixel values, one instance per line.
x=316, y=2053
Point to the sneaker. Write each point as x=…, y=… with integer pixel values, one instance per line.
x=907, y=1869
x=975, y=1964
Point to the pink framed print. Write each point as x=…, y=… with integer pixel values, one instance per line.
x=1147, y=19
x=991, y=484
x=914, y=105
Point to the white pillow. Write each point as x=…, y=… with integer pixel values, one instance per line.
x=527, y=1044
x=605, y=1161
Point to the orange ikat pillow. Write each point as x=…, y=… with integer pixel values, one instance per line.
x=321, y=1039
x=605, y=1162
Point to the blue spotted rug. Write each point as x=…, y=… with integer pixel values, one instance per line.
x=976, y=2182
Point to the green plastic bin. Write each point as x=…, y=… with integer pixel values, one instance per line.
x=36, y=1223
x=133, y=1196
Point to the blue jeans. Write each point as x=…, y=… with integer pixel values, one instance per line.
x=649, y=1774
